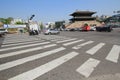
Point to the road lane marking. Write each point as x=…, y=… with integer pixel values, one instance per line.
x=27, y=59
x=23, y=46
x=81, y=45
x=114, y=54
x=18, y=41
x=16, y=44
x=36, y=72
x=88, y=67
x=93, y=50
x=73, y=42
x=25, y=51
x=66, y=40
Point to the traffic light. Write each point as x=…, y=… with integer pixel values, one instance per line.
x=32, y=17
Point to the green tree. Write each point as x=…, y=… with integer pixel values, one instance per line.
x=2, y=20
x=58, y=24
x=41, y=26
x=21, y=23
x=6, y=20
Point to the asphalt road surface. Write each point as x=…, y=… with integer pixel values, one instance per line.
x=67, y=56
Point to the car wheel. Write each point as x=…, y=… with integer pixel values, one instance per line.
x=49, y=33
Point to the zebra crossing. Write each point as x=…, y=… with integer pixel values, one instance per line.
x=114, y=54
x=15, y=46
x=88, y=67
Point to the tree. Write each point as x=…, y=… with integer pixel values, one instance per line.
x=2, y=20
x=19, y=23
x=41, y=26
x=6, y=20
x=58, y=24
x=1, y=24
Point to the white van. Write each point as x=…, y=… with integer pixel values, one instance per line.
x=3, y=31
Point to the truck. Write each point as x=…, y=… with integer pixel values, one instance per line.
x=33, y=29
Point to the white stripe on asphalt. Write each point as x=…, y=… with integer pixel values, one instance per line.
x=23, y=46
x=18, y=39
x=24, y=40
x=114, y=54
x=30, y=58
x=73, y=42
x=27, y=50
x=88, y=67
x=93, y=50
x=21, y=43
x=83, y=44
x=34, y=73
x=66, y=40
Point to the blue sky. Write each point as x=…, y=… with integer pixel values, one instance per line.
x=54, y=10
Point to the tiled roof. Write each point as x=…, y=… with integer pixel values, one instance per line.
x=79, y=24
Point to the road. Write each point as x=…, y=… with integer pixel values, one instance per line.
x=67, y=56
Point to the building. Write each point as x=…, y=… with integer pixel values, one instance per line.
x=50, y=25
x=79, y=18
x=1, y=24
x=113, y=20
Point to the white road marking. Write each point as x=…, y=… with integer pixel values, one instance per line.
x=73, y=42
x=30, y=58
x=66, y=40
x=23, y=46
x=93, y=50
x=24, y=51
x=88, y=67
x=20, y=43
x=114, y=54
x=34, y=73
x=81, y=45
x=18, y=39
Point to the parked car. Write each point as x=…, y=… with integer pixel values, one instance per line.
x=104, y=28
x=92, y=28
x=3, y=31
x=51, y=31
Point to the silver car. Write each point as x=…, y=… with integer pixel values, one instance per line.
x=51, y=31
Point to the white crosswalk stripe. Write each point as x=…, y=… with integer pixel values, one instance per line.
x=23, y=46
x=93, y=50
x=21, y=43
x=73, y=42
x=66, y=40
x=53, y=38
x=24, y=51
x=27, y=59
x=81, y=45
x=44, y=68
x=114, y=54
x=18, y=40
x=88, y=67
